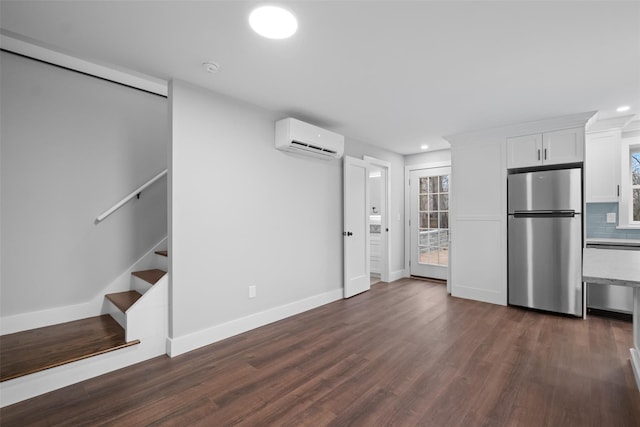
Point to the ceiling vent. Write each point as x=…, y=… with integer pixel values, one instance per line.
x=295, y=136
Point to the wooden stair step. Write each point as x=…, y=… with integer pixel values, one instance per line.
x=124, y=300
x=28, y=352
x=163, y=253
x=152, y=276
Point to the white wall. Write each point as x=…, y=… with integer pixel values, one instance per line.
x=72, y=146
x=439, y=156
x=243, y=213
x=358, y=149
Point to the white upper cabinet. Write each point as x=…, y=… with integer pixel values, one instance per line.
x=523, y=151
x=602, y=166
x=563, y=146
x=548, y=148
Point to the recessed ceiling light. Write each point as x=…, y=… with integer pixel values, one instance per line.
x=623, y=109
x=424, y=147
x=273, y=22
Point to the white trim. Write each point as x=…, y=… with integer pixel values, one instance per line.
x=528, y=128
x=15, y=43
x=397, y=275
x=626, y=201
x=192, y=341
x=407, y=206
x=386, y=241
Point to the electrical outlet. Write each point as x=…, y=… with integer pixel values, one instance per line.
x=611, y=218
x=252, y=291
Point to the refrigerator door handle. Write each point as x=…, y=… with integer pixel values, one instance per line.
x=549, y=213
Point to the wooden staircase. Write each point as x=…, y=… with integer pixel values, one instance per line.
x=28, y=352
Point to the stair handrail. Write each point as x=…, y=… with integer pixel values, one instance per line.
x=130, y=196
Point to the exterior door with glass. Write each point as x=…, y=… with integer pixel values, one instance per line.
x=429, y=222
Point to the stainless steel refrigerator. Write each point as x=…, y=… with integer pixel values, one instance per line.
x=545, y=240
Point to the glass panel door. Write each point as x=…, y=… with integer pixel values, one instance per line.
x=430, y=222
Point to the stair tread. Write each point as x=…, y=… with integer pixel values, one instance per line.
x=152, y=276
x=163, y=253
x=35, y=350
x=123, y=300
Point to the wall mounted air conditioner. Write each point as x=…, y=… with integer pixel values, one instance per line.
x=299, y=137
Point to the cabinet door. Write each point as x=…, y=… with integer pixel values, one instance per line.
x=524, y=151
x=602, y=166
x=563, y=146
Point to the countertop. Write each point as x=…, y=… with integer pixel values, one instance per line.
x=611, y=267
x=611, y=241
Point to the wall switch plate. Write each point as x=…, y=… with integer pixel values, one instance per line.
x=252, y=291
x=611, y=218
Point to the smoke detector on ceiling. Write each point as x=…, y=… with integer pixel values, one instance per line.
x=211, y=67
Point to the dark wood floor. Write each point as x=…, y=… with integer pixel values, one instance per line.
x=26, y=352
x=402, y=354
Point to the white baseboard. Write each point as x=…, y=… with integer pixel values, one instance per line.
x=183, y=344
x=69, y=313
x=396, y=275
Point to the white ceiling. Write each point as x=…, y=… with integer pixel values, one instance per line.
x=392, y=73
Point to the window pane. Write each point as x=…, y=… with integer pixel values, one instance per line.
x=424, y=220
x=444, y=220
x=424, y=203
x=444, y=202
x=433, y=220
x=433, y=184
x=423, y=185
x=636, y=204
x=635, y=168
x=444, y=184
x=444, y=238
x=433, y=202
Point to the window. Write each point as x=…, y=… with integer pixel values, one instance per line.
x=634, y=166
x=630, y=184
x=434, y=220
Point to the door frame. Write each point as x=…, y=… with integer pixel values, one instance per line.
x=407, y=213
x=385, y=250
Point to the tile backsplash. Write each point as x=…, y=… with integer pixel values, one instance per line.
x=598, y=227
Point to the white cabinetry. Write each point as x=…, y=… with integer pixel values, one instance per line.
x=478, y=220
x=374, y=248
x=548, y=148
x=602, y=166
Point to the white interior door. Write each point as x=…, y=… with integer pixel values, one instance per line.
x=429, y=223
x=356, y=227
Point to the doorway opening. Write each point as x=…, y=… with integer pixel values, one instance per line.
x=379, y=197
x=376, y=207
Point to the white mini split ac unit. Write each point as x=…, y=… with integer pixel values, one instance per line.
x=299, y=137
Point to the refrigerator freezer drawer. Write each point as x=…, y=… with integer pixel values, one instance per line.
x=545, y=263
x=545, y=191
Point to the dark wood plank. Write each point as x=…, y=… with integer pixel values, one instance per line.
x=404, y=353
x=152, y=276
x=124, y=300
x=27, y=352
x=162, y=253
